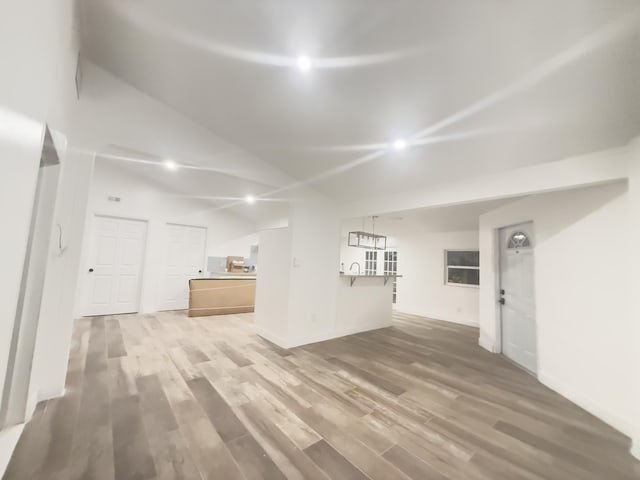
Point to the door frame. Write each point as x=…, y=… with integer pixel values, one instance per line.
x=89, y=253
x=17, y=399
x=497, y=243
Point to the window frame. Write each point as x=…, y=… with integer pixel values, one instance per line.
x=515, y=244
x=371, y=260
x=460, y=267
x=391, y=268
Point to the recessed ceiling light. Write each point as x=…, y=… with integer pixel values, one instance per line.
x=170, y=165
x=250, y=199
x=400, y=144
x=304, y=63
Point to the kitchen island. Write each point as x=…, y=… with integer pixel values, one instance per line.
x=364, y=302
x=222, y=294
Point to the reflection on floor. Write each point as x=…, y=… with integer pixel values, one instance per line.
x=169, y=397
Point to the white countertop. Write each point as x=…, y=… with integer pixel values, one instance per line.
x=228, y=276
x=342, y=274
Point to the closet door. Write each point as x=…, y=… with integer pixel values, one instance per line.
x=184, y=260
x=114, y=272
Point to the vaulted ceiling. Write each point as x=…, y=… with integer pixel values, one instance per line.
x=474, y=86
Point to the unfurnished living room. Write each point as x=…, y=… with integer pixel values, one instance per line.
x=320, y=239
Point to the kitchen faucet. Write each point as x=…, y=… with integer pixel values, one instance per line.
x=355, y=263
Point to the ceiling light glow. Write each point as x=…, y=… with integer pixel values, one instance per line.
x=400, y=144
x=250, y=199
x=170, y=165
x=304, y=63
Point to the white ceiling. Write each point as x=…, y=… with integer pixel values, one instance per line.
x=135, y=134
x=522, y=82
x=454, y=218
x=213, y=191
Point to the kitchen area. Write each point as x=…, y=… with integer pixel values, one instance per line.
x=316, y=284
x=368, y=283
x=229, y=286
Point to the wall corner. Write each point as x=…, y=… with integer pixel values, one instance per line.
x=487, y=343
x=635, y=447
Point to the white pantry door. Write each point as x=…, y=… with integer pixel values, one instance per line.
x=517, y=295
x=185, y=260
x=114, y=272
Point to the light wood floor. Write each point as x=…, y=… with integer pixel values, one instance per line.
x=169, y=397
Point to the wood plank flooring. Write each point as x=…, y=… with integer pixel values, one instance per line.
x=165, y=397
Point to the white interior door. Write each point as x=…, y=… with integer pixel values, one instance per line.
x=518, y=324
x=114, y=273
x=185, y=260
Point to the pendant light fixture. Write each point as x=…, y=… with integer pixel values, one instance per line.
x=368, y=240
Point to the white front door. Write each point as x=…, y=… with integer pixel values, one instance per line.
x=518, y=324
x=114, y=272
x=185, y=260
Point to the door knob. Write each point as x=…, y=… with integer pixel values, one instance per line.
x=501, y=301
x=91, y=270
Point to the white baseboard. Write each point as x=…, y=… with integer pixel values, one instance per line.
x=487, y=343
x=619, y=422
x=318, y=337
x=8, y=440
x=48, y=394
x=435, y=316
x=32, y=403
x=324, y=336
x=279, y=341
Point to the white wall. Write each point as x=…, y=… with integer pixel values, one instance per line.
x=365, y=305
x=140, y=199
x=37, y=53
x=582, y=291
x=272, y=286
x=315, y=250
x=422, y=289
x=634, y=238
x=238, y=247
x=307, y=253
x=34, y=54
x=56, y=321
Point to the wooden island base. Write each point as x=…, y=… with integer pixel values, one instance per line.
x=221, y=296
